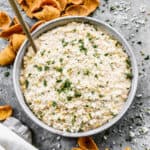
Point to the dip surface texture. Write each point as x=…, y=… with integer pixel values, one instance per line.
x=78, y=80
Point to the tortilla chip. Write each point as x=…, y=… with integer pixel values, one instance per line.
x=20, y=1
x=25, y=5
x=76, y=10
x=63, y=4
x=5, y=112
x=17, y=28
x=15, y=20
x=87, y=143
x=47, y=13
x=38, y=4
x=76, y=2
x=36, y=25
x=16, y=41
x=127, y=148
x=7, y=56
x=5, y=20
x=91, y=5
x=76, y=148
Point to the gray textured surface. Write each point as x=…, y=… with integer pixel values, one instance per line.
x=132, y=19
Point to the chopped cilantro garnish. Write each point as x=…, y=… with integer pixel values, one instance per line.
x=45, y=83
x=100, y=95
x=48, y=62
x=117, y=44
x=59, y=69
x=39, y=68
x=86, y=72
x=82, y=47
x=96, y=76
x=129, y=75
x=95, y=46
x=46, y=68
x=54, y=104
x=58, y=81
x=77, y=94
x=106, y=54
x=128, y=62
x=66, y=85
x=26, y=83
x=73, y=119
x=61, y=59
x=42, y=53
x=89, y=36
x=69, y=98
x=64, y=43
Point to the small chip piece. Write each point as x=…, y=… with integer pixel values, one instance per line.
x=87, y=143
x=76, y=148
x=91, y=5
x=63, y=4
x=47, y=13
x=5, y=112
x=26, y=6
x=36, y=25
x=38, y=4
x=76, y=2
x=127, y=148
x=17, y=28
x=76, y=10
x=16, y=41
x=7, y=56
x=5, y=20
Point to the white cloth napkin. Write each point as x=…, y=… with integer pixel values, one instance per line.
x=11, y=141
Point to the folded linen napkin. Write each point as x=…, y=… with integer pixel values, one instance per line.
x=9, y=140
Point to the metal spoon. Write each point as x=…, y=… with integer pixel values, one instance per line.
x=25, y=28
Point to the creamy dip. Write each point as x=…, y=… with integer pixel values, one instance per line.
x=78, y=80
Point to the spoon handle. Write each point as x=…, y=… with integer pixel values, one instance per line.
x=25, y=28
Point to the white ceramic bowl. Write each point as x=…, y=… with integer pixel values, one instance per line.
x=56, y=23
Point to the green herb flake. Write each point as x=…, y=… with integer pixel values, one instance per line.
x=82, y=47
x=95, y=46
x=73, y=120
x=39, y=68
x=59, y=80
x=69, y=98
x=128, y=62
x=66, y=85
x=29, y=75
x=59, y=69
x=86, y=72
x=77, y=93
x=90, y=115
x=117, y=44
x=26, y=83
x=64, y=43
x=46, y=68
x=45, y=83
x=89, y=36
x=42, y=53
x=100, y=95
x=54, y=104
x=106, y=54
x=129, y=76
x=96, y=76
x=6, y=74
x=61, y=59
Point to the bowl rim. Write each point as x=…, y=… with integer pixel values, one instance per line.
x=21, y=100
